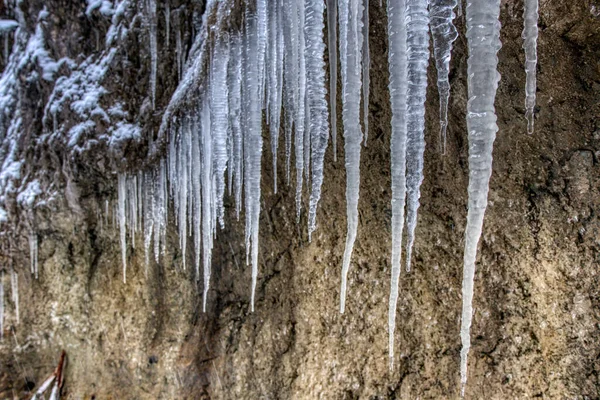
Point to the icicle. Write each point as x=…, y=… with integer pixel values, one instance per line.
x=350, y=22
x=252, y=145
x=317, y=104
x=275, y=76
x=14, y=286
x=398, y=88
x=167, y=23
x=291, y=64
x=219, y=116
x=160, y=211
x=366, y=65
x=235, y=94
x=1, y=305
x=184, y=162
x=151, y=23
x=530, y=36
x=179, y=51
x=6, y=47
x=261, y=8
x=148, y=205
x=483, y=35
x=122, y=198
x=196, y=178
x=300, y=120
x=417, y=41
x=444, y=34
x=33, y=253
x=333, y=73
x=132, y=207
x=207, y=193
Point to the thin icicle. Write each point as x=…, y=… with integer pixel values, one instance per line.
x=444, y=34
x=219, y=109
x=417, y=41
x=14, y=286
x=122, y=198
x=261, y=13
x=33, y=253
x=179, y=48
x=317, y=104
x=148, y=204
x=300, y=119
x=350, y=22
x=151, y=23
x=275, y=77
x=333, y=72
x=235, y=97
x=366, y=67
x=290, y=76
x=398, y=88
x=1, y=305
x=530, y=36
x=207, y=196
x=252, y=147
x=483, y=36
x=167, y=23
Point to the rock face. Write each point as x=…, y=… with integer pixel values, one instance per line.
x=535, y=331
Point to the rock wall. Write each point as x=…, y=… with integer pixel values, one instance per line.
x=536, y=321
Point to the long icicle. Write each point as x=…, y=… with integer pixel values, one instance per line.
x=350, y=17
x=121, y=198
x=333, y=71
x=417, y=41
x=366, y=67
x=317, y=104
x=398, y=88
x=483, y=36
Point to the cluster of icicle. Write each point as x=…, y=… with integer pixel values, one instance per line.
x=275, y=64
x=215, y=145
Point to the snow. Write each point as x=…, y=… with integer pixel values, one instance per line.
x=28, y=195
x=105, y=7
x=7, y=25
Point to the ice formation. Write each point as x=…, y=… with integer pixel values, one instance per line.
x=317, y=114
x=350, y=41
x=272, y=68
x=417, y=46
x=530, y=36
x=14, y=287
x=398, y=87
x=483, y=36
x=366, y=66
x=151, y=26
x=1, y=304
x=333, y=70
x=443, y=33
